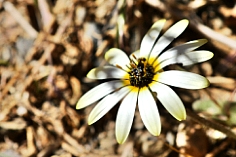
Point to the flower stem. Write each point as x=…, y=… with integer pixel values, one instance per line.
x=211, y=124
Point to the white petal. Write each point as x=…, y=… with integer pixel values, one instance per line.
x=117, y=57
x=169, y=36
x=149, y=112
x=98, y=92
x=187, y=47
x=185, y=58
x=150, y=38
x=181, y=49
x=169, y=100
x=106, y=72
x=106, y=104
x=182, y=79
x=125, y=116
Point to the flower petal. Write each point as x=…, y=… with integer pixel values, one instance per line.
x=180, y=49
x=188, y=58
x=168, y=37
x=183, y=56
x=98, y=92
x=169, y=100
x=182, y=79
x=117, y=57
x=125, y=116
x=150, y=38
x=106, y=72
x=149, y=112
x=187, y=47
x=106, y=104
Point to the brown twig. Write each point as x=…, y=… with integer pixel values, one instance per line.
x=211, y=124
x=48, y=18
x=9, y=7
x=220, y=148
x=176, y=150
x=48, y=50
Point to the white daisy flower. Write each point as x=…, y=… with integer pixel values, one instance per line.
x=138, y=77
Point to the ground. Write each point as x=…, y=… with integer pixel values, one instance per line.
x=47, y=47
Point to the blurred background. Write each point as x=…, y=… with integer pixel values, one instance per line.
x=48, y=46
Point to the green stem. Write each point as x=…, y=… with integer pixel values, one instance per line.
x=211, y=124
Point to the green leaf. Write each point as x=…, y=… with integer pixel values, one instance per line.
x=232, y=114
x=207, y=106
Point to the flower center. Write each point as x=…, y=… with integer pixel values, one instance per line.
x=141, y=73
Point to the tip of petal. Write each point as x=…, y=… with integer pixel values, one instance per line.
x=184, y=22
x=202, y=41
x=91, y=119
x=158, y=22
x=78, y=106
x=181, y=25
x=207, y=83
x=156, y=133
x=91, y=73
x=90, y=122
x=180, y=116
x=199, y=42
x=211, y=55
x=120, y=141
x=109, y=52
